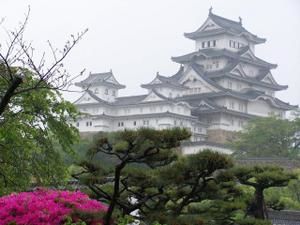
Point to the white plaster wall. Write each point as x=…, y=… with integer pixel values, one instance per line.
x=250, y=70
x=213, y=64
x=100, y=91
x=222, y=41
x=235, y=84
x=187, y=150
x=263, y=108
x=218, y=38
x=96, y=126
x=169, y=92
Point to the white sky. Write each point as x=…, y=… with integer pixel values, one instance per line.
x=136, y=38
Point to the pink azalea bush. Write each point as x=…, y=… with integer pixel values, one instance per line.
x=48, y=207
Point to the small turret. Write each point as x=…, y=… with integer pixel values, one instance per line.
x=103, y=85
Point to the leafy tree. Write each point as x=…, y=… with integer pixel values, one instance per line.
x=34, y=118
x=133, y=153
x=163, y=187
x=195, y=191
x=268, y=137
x=261, y=178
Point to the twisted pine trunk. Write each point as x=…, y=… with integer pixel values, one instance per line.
x=116, y=194
x=259, y=211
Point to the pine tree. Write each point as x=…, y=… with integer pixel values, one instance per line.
x=261, y=178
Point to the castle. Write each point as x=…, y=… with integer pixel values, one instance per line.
x=216, y=90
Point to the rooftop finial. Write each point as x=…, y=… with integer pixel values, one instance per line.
x=110, y=70
x=210, y=10
x=240, y=18
x=157, y=73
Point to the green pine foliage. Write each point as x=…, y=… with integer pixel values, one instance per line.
x=261, y=178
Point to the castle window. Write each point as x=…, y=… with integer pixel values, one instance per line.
x=239, y=86
x=231, y=104
x=232, y=122
x=230, y=43
x=241, y=123
x=134, y=123
x=91, y=123
x=87, y=124
x=77, y=124
x=216, y=63
x=208, y=44
x=106, y=91
x=175, y=122
x=229, y=84
x=208, y=66
x=203, y=44
x=114, y=93
x=241, y=107
x=146, y=122
x=214, y=43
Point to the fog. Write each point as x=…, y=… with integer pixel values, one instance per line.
x=136, y=38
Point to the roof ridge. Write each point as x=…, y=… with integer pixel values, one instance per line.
x=223, y=18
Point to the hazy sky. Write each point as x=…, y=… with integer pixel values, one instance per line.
x=136, y=38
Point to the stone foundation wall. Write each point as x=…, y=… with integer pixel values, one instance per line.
x=220, y=136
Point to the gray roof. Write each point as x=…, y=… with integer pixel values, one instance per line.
x=257, y=80
x=227, y=26
x=129, y=100
x=213, y=52
x=197, y=143
x=167, y=81
x=149, y=115
x=247, y=94
x=99, y=78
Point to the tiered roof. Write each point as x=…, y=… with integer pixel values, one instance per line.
x=226, y=26
x=106, y=79
x=235, y=56
x=160, y=81
x=247, y=94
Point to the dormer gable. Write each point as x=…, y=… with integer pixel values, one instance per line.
x=153, y=97
x=156, y=81
x=86, y=98
x=192, y=79
x=112, y=79
x=204, y=105
x=209, y=24
x=249, y=55
x=238, y=70
x=269, y=79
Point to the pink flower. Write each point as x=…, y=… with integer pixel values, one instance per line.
x=46, y=207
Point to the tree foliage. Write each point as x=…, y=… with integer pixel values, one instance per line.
x=33, y=116
x=147, y=177
x=134, y=151
x=262, y=178
x=269, y=137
